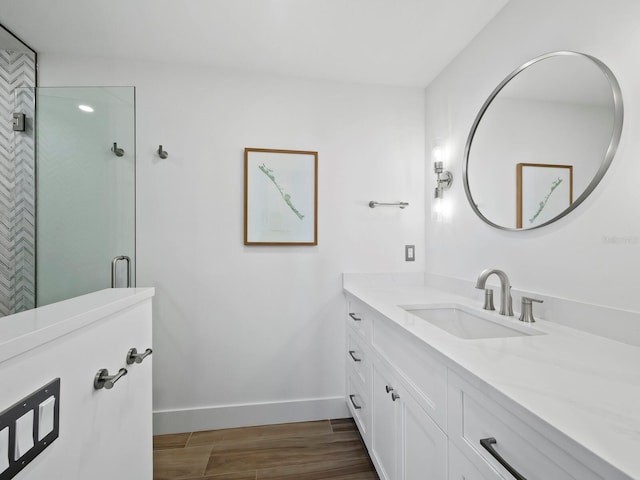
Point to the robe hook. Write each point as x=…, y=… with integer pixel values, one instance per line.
x=119, y=152
x=162, y=153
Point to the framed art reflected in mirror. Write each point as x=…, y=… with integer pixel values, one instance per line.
x=281, y=197
x=543, y=191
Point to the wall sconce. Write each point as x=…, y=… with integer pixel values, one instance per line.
x=440, y=210
x=444, y=178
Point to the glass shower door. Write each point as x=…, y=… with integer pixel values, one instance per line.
x=85, y=190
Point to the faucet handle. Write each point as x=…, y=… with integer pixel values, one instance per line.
x=526, y=314
x=488, y=299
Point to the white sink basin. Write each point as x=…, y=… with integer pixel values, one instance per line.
x=464, y=323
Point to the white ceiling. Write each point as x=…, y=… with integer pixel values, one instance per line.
x=392, y=42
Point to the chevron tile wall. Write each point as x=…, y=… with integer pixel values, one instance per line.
x=17, y=184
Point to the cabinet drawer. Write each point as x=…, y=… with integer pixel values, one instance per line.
x=359, y=406
x=358, y=359
x=426, y=375
x=474, y=417
x=461, y=468
x=359, y=318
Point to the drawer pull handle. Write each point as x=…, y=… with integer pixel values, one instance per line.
x=355, y=318
x=353, y=402
x=388, y=388
x=394, y=396
x=353, y=355
x=488, y=443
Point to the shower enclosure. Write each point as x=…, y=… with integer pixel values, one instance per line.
x=73, y=213
x=67, y=185
x=76, y=156
x=85, y=190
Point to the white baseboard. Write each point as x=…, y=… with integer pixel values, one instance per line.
x=246, y=415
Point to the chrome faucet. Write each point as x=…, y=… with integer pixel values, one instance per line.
x=505, y=289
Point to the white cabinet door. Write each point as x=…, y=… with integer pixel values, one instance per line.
x=407, y=444
x=424, y=445
x=385, y=425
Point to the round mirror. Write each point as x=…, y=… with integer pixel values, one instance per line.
x=542, y=141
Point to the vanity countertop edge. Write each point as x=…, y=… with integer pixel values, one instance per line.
x=584, y=386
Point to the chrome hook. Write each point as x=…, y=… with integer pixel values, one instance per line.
x=162, y=153
x=119, y=152
x=134, y=357
x=104, y=380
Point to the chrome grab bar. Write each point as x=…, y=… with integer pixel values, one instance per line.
x=114, y=263
x=374, y=204
x=134, y=357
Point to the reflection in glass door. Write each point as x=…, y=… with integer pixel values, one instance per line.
x=85, y=190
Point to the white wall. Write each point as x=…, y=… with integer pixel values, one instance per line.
x=593, y=255
x=246, y=325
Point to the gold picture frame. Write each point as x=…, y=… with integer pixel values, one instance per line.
x=280, y=197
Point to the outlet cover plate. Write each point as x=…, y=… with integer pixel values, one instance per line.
x=409, y=253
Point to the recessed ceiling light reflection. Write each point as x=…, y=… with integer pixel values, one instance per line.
x=85, y=108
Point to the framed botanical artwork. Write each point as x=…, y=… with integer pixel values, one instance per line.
x=543, y=192
x=280, y=197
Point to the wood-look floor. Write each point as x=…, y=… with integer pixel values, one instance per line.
x=324, y=450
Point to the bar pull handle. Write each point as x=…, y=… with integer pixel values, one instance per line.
x=388, y=388
x=355, y=318
x=353, y=355
x=134, y=357
x=355, y=405
x=488, y=443
x=394, y=396
x=104, y=380
x=114, y=263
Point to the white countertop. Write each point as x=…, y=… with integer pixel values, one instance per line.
x=586, y=387
x=24, y=331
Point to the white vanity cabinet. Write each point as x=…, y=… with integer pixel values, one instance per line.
x=359, y=385
x=358, y=369
x=386, y=426
x=485, y=431
x=423, y=417
x=404, y=441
